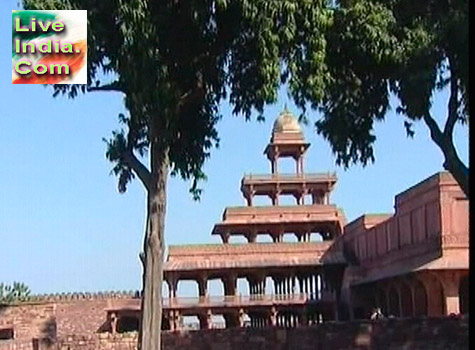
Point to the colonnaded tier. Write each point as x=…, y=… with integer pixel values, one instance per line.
x=304, y=275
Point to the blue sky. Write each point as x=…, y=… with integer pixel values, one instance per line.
x=63, y=225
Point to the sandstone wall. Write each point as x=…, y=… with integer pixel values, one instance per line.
x=408, y=334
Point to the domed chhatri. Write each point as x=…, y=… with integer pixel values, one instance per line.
x=286, y=122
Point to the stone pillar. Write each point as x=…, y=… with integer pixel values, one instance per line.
x=450, y=284
x=276, y=162
x=209, y=319
x=203, y=286
x=310, y=286
x=298, y=198
x=171, y=320
x=413, y=299
x=274, y=279
x=261, y=285
x=230, y=285
x=252, y=236
x=251, y=287
x=225, y=237
x=172, y=287
x=273, y=316
x=241, y=318
x=399, y=298
x=317, y=198
x=176, y=320
x=249, y=199
x=113, y=323
x=203, y=321
x=275, y=197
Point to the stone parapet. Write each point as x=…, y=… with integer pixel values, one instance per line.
x=411, y=334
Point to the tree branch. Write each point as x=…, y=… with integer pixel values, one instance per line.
x=452, y=162
x=114, y=86
x=453, y=103
x=435, y=132
x=194, y=94
x=139, y=169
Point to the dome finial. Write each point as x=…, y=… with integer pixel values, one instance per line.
x=286, y=110
x=286, y=122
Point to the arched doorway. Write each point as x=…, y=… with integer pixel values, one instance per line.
x=393, y=302
x=381, y=301
x=406, y=300
x=420, y=298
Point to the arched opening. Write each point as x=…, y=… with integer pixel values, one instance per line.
x=187, y=289
x=216, y=287
x=420, y=299
x=286, y=165
x=316, y=237
x=393, y=302
x=263, y=238
x=237, y=239
x=463, y=295
x=246, y=320
x=127, y=324
x=287, y=200
x=406, y=300
x=438, y=298
x=190, y=322
x=242, y=286
x=289, y=237
x=218, y=322
x=269, y=289
x=261, y=201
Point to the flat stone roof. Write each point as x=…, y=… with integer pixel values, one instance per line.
x=249, y=255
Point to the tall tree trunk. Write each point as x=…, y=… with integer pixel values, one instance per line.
x=152, y=256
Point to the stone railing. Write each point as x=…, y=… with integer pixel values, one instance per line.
x=238, y=300
x=59, y=297
x=288, y=177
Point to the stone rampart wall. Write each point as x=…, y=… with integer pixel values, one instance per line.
x=408, y=334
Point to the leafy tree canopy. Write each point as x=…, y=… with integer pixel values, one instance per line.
x=13, y=293
x=411, y=49
x=177, y=60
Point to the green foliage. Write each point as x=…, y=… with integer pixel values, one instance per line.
x=13, y=293
x=176, y=61
x=375, y=48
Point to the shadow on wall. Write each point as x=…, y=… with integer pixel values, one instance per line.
x=48, y=332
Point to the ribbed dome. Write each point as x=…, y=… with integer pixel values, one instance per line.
x=286, y=122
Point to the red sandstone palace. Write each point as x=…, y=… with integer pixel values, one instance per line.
x=412, y=263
